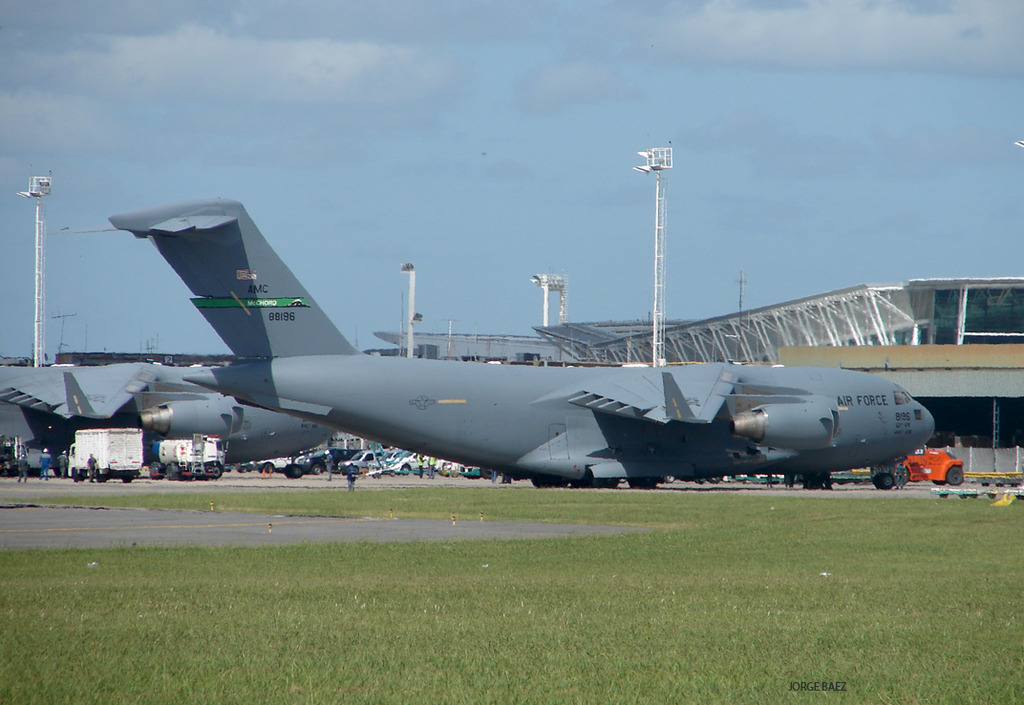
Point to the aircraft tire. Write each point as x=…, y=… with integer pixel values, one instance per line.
x=549, y=481
x=293, y=472
x=884, y=481
x=902, y=476
x=267, y=468
x=643, y=483
x=955, y=476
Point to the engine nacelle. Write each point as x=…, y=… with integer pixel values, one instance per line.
x=181, y=419
x=802, y=426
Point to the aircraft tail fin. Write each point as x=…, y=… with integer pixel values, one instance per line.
x=242, y=287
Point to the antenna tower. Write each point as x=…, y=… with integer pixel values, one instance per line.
x=658, y=159
x=743, y=287
x=39, y=186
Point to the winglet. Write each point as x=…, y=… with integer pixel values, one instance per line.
x=78, y=403
x=676, y=407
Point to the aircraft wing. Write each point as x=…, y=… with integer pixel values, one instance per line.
x=94, y=392
x=100, y=392
x=150, y=399
x=693, y=395
x=28, y=388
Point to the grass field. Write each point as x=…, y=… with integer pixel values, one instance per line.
x=727, y=599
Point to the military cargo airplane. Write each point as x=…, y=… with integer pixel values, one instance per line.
x=44, y=406
x=556, y=426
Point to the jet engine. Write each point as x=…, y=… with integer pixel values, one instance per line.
x=801, y=426
x=181, y=419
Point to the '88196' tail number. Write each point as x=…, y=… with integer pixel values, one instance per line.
x=281, y=315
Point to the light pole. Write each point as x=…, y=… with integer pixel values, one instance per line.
x=39, y=186
x=658, y=159
x=549, y=283
x=409, y=269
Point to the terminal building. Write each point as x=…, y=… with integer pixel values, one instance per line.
x=918, y=312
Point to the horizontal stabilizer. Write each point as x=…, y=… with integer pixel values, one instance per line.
x=195, y=222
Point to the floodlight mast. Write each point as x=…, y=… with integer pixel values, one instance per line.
x=411, y=271
x=658, y=159
x=549, y=283
x=39, y=186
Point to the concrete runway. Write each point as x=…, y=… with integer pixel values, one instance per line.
x=26, y=520
x=80, y=527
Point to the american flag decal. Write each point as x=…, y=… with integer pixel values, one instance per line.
x=245, y=275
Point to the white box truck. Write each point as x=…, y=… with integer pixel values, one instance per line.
x=117, y=453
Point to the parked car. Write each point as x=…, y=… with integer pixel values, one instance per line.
x=364, y=461
x=283, y=465
x=399, y=462
x=318, y=462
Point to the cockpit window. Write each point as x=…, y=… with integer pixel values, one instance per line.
x=902, y=397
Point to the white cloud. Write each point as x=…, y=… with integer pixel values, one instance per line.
x=777, y=148
x=952, y=36
x=198, y=63
x=34, y=121
x=571, y=83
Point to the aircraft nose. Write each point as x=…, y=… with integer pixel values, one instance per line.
x=928, y=427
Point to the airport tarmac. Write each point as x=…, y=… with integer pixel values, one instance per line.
x=82, y=527
x=36, y=489
x=27, y=521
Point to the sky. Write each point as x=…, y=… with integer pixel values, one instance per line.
x=817, y=144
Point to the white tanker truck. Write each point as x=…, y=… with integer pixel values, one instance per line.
x=198, y=458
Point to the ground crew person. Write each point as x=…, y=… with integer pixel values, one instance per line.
x=23, y=467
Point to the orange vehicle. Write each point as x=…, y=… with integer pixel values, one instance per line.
x=927, y=464
x=935, y=465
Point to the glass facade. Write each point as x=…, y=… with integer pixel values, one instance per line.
x=991, y=315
